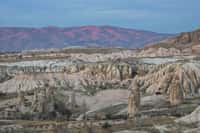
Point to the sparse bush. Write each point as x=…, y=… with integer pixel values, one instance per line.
x=106, y=125
x=25, y=116
x=108, y=116
x=89, y=130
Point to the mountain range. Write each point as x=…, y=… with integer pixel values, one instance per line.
x=18, y=38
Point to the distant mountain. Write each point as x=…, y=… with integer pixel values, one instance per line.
x=17, y=39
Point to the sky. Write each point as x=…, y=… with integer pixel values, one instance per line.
x=164, y=16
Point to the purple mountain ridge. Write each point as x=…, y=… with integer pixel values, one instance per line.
x=18, y=39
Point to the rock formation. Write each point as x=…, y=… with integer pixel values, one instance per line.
x=113, y=55
x=133, y=100
x=76, y=75
x=3, y=74
x=21, y=98
x=175, y=92
x=160, y=78
x=48, y=103
x=188, y=37
x=72, y=101
x=110, y=71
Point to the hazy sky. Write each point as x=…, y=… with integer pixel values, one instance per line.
x=169, y=16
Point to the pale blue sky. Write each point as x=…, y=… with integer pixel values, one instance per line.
x=169, y=16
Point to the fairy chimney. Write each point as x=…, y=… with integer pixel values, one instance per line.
x=176, y=92
x=21, y=98
x=133, y=100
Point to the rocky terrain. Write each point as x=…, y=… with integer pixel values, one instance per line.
x=188, y=37
x=62, y=90
x=185, y=40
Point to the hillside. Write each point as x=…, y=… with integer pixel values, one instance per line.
x=188, y=37
x=17, y=39
x=181, y=41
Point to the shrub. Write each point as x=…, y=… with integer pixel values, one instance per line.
x=106, y=125
x=108, y=116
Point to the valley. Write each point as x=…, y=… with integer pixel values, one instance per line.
x=83, y=90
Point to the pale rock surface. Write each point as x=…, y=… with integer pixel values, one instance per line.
x=131, y=131
x=194, y=117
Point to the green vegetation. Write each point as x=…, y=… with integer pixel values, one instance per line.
x=106, y=125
